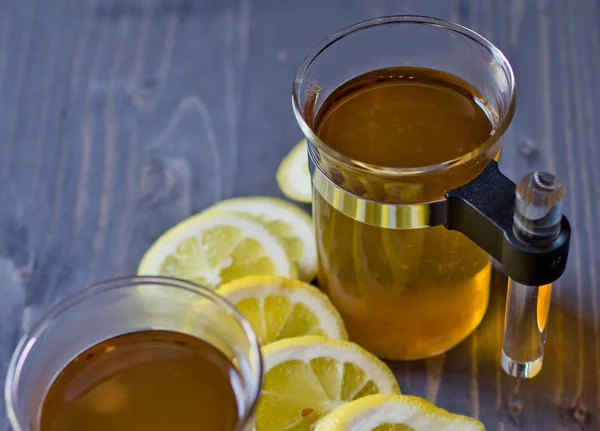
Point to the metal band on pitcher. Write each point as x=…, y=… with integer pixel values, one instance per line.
x=389, y=216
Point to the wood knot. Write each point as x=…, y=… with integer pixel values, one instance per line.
x=143, y=97
x=24, y=274
x=144, y=94
x=514, y=407
x=164, y=181
x=528, y=149
x=580, y=414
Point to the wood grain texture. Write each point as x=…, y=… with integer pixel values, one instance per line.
x=119, y=118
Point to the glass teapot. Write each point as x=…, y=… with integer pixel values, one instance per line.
x=404, y=251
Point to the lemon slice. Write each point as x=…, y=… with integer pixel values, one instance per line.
x=212, y=250
x=307, y=377
x=293, y=176
x=281, y=308
x=286, y=220
x=395, y=413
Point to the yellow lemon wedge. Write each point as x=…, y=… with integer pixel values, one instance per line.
x=307, y=377
x=279, y=308
x=293, y=176
x=214, y=249
x=288, y=221
x=383, y=412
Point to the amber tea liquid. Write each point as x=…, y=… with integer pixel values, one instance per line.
x=404, y=294
x=146, y=381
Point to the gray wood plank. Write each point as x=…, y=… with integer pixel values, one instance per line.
x=119, y=119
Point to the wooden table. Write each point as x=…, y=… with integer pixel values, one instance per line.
x=119, y=118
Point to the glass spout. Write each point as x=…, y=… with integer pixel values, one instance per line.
x=525, y=323
x=536, y=222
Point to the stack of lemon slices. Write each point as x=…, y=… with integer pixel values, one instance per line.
x=260, y=254
x=236, y=238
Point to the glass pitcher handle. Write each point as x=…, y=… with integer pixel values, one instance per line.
x=524, y=229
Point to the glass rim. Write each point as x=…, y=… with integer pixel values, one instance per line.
x=397, y=20
x=21, y=352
